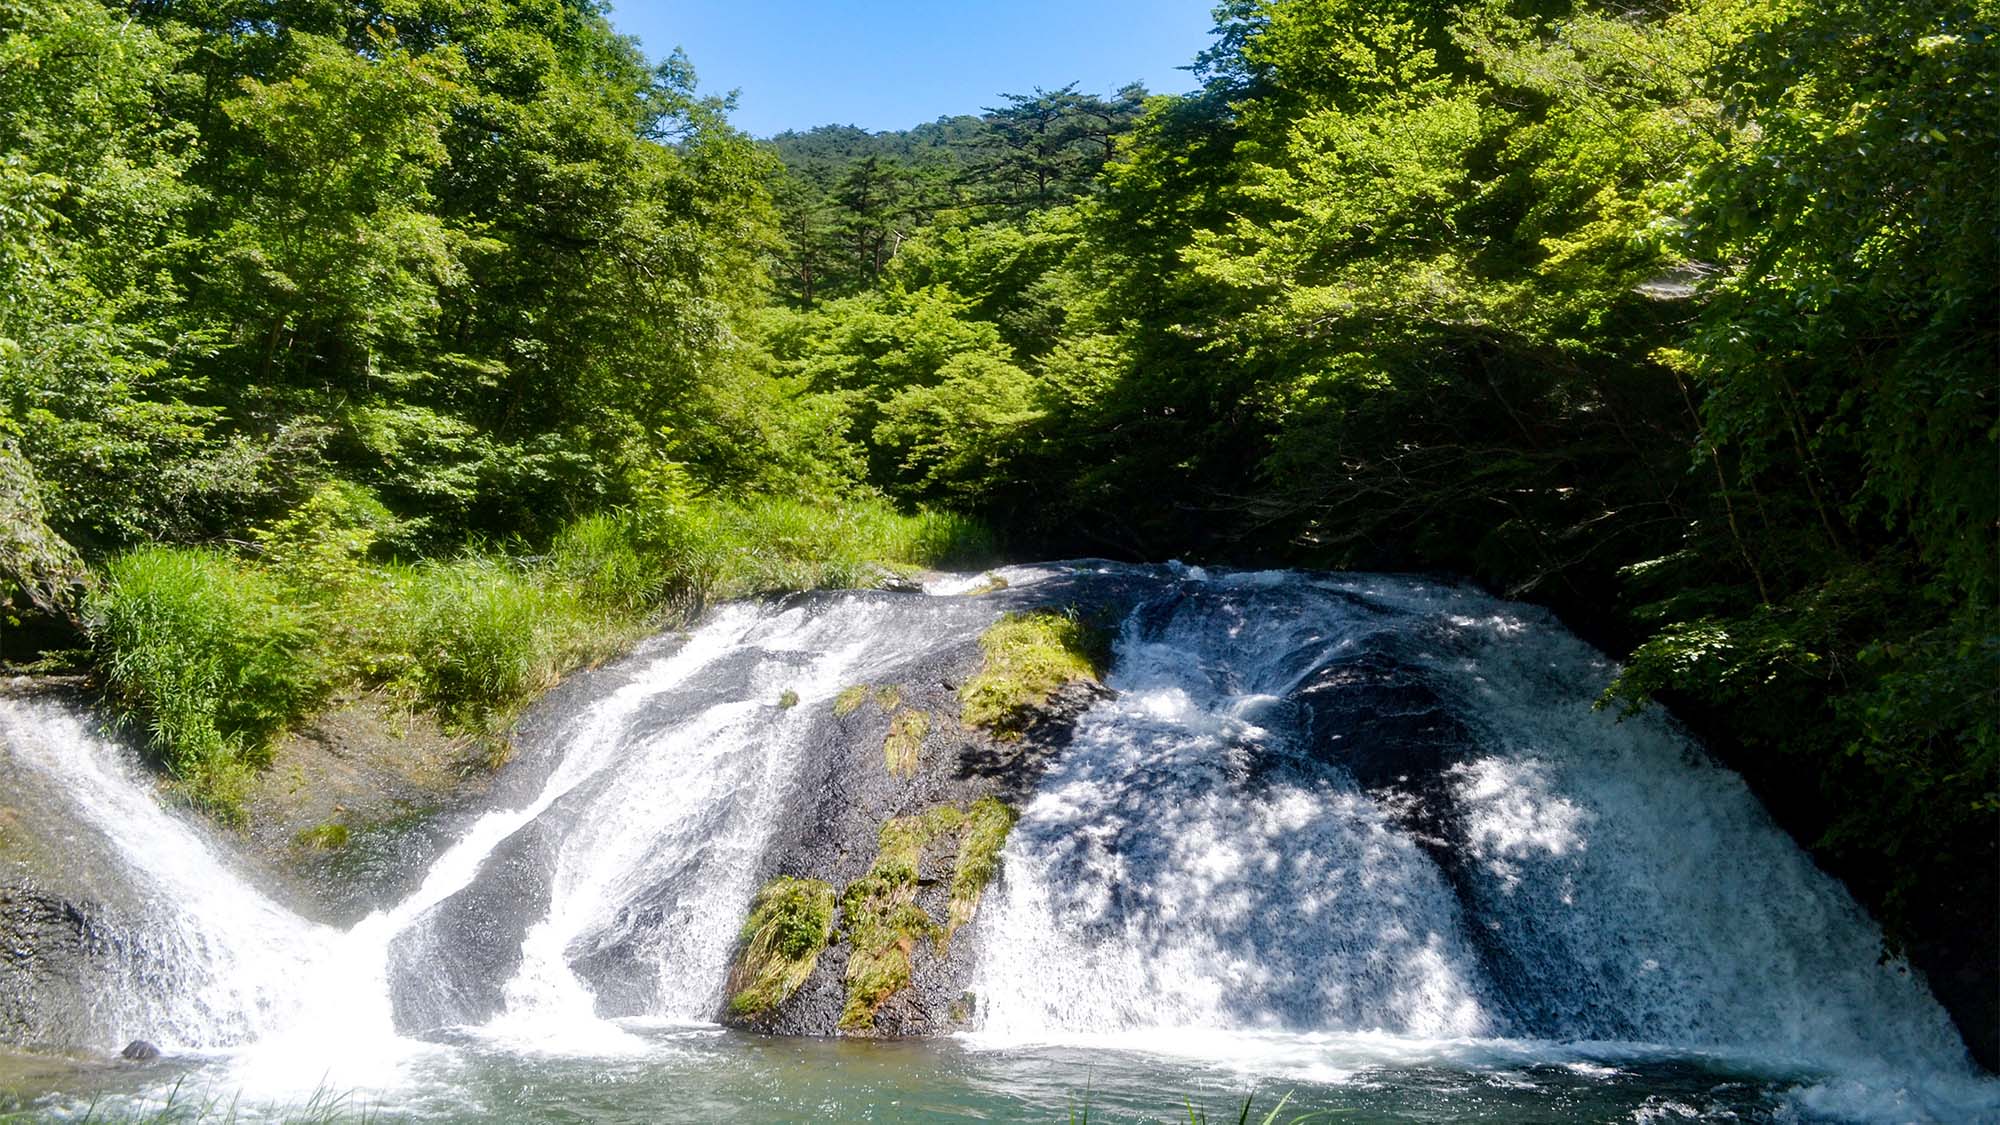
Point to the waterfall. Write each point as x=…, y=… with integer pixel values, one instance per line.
x=1378, y=807
x=194, y=956
x=1323, y=818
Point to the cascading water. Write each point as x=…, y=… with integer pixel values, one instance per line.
x=1327, y=822
x=1377, y=806
x=200, y=958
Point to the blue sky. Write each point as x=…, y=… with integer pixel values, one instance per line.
x=891, y=64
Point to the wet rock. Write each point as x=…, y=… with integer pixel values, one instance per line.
x=138, y=1050
x=450, y=967
x=834, y=815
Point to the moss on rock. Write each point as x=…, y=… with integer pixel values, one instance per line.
x=850, y=699
x=993, y=584
x=905, y=741
x=981, y=836
x=328, y=837
x=885, y=922
x=1028, y=657
x=790, y=921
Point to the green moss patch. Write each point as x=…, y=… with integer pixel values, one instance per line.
x=980, y=838
x=885, y=923
x=788, y=700
x=888, y=697
x=905, y=742
x=850, y=699
x=1028, y=657
x=790, y=921
x=323, y=838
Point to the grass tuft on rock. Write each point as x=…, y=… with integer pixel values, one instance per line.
x=884, y=922
x=850, y=699
x=905, y=742
x=1028, y=657
x=993, y=584
x=790, y=922
x=888, y=697
x=980, y=839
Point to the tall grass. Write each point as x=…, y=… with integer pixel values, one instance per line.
x=215, y=655
x=766, y=544
x=211, y=656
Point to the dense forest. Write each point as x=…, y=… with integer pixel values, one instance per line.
x=445, y=344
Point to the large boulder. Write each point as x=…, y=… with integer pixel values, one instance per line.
x=45, y=568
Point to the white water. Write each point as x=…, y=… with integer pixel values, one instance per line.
x=218, y=959
x=1160, y=892
x=295, y=1007
x=1190, y=878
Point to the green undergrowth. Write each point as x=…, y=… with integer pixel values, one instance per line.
x=1028, y=656
x=884, y=922
x=790, y=922
x=211, y=657
x=768, y=544
x=214, y=654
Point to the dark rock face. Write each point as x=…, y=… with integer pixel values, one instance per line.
x=55, y=953
x=138, y=1050
x=401, y=790
x=68, y=920
x=450, y=966
x=845, y=794
x=1373, y=714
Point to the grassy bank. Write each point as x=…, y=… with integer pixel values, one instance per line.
x=211, y=655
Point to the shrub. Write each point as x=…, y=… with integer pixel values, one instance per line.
x=204, y=651
x=319, y=547
x=482, y=637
